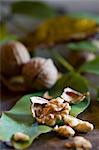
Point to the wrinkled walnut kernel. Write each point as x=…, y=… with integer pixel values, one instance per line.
x=77, y=124
x=19, y=136
x=64, y=131
x=78, y=143
x=51, y=111
x=84, y=126
x=58, y=109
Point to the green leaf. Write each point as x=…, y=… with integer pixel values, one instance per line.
x=86, y=15
x=91, y=66
x=33, y=9
x=8, y=38
x=3, y=31
x=57, y=89
x=79, y=83
x=5, y=36
x=76, y=82
x=82, y=46
x=34, y=132
x=19, y=119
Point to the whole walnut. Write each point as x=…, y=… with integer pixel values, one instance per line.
x=40, y=73
x=12, y=56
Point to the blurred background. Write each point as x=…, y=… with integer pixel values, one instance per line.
x=20, y=19
x=29, y=20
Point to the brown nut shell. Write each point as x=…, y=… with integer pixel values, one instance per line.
x=12, y=56
x=40, y=73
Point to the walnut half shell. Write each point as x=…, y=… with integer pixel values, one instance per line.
x=72, y=96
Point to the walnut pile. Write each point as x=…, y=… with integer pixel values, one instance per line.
x=58, y=109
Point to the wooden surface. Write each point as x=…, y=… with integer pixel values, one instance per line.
x=50, y=141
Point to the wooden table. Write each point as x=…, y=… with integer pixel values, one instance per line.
x=50, y=141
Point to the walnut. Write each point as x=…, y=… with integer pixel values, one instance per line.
x=57, y=101
x=64, y=131
x=57, y=104
x=19, y=136
x=40, y=73
x=73, y=96
x=48, y=112
x=77, y=124
x=50, y=120
x=78, y=143
x=70, y=120
x=15, y=83
x=84, y=126
x=12, y=56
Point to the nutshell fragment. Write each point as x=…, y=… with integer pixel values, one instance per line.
x=72, y=96
x=37, y=105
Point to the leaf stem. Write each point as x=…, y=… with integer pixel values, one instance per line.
x=61, y=60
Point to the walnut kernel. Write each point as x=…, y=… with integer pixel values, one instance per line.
x=78, y=143
x=19, y=136
x=64, y=131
